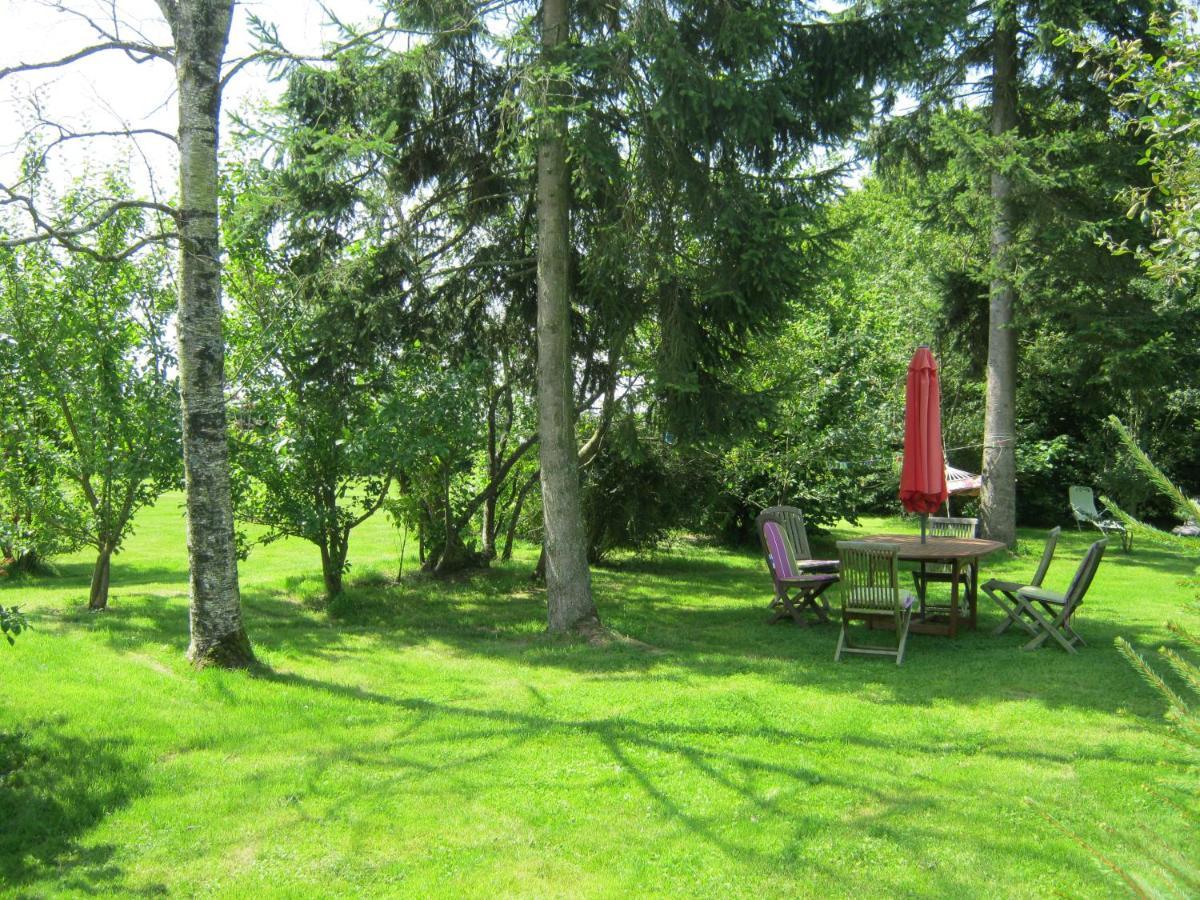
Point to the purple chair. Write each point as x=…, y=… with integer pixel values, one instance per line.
x=797, y=594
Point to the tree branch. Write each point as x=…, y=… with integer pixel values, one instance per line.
x=147, y=51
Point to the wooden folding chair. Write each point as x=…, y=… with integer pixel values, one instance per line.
x=796, y=593
x=1004, y=593
x=1051, y=612
x=792, y=521
x=943, y=526
x=870, y=590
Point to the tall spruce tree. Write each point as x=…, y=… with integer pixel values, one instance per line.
x=1002, y=97
x=669, y=156
x=568, y=581
x=998, y=496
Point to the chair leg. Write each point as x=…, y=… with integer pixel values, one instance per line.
x=1068, y=629
x=843, y=638
x=1011, y=610
x=819, y=604
x=795, y=607
x=1050, y=629
x=776, y=606
x=903, y=631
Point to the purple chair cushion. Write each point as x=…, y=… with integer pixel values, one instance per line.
x=780, y=556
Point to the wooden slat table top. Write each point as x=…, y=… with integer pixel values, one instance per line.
x=935, y=548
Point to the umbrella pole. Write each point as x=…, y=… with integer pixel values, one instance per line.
x=924, y=521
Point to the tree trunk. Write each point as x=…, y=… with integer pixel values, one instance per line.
x=333, y=562
x=539, y=568
x=568, y=581
x=487, y=531
x=455, y=556
x=998, y=498
x=27, y=563
x=98, y=594
x=515, y=519
x=201, y=29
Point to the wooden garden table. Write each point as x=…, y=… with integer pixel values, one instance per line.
x=962, y=555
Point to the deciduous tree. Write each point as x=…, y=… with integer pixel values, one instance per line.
x=92, y=402
x=199, y=32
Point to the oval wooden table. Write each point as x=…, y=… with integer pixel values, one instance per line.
x=962, y=555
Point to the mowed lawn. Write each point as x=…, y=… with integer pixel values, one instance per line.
x=428, y=739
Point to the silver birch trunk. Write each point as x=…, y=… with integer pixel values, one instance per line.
x=568, y=580
x=201, y=30
x=998, y=498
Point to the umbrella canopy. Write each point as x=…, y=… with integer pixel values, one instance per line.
x=923, y=477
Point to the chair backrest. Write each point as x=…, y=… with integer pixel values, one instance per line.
x=1085, y=573
x=1083, y=503
x=946, y=526
x=792, y=521
x=869, y=576
x=777, y=550
x=1047, y=556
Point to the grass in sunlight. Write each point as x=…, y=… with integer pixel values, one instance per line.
x=427, y=738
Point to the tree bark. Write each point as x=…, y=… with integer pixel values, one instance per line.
x=998, y=498
x=218, y=637
x=98, y=594
x=333, y=562
x=568, y=581
x=487, y=531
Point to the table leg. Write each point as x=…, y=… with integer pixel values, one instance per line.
x=973, y=593
x=954, y=575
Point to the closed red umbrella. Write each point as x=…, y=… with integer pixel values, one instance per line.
x=923, y=477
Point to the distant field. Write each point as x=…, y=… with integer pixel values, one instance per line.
x=429, y=739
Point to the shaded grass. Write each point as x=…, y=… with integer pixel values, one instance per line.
x=427, y=738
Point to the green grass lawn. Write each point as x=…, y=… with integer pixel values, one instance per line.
x=428, y=739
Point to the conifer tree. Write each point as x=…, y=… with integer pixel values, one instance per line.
x=1006, y=53
x=668, y=156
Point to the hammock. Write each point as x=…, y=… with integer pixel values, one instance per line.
x=960, y=482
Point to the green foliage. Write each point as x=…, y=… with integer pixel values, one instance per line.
x=1185, y=507
x=12, y=623
x=1184, y=717
x=636, y=491
x=1043, y=468
x=90, y=410
x=692, y=132
x=1095, y=337
x=311, y=338
x=832, y=373
x=442, y=408
x=1152, y=83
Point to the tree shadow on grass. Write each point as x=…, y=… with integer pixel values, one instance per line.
x=749, y=762
x=710, y=624
x=274, y=621
x=54, y=788
x=692, y=615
